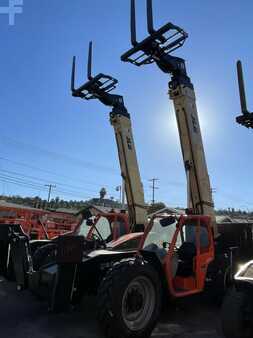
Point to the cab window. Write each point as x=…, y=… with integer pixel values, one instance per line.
x=120, y=226
x=160, y=236
x=190, y=234
x=104, y=228
x=84, y=228
x=204, y=238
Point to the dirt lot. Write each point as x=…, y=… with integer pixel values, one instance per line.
x=23, y=316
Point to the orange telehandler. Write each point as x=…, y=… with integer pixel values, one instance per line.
x=179, y=255
x=127, y=237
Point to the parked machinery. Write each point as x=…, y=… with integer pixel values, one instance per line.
x=176, y=251
x=177, y=259
x=37, y=223
x=37, y=226
x=237, y=308
x=66, y=253
x=25, y=257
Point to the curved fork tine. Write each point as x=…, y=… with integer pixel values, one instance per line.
x=133, y=24
x=89, y=65
x=73, y=74
x=150, y=23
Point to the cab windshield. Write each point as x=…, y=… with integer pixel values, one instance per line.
x=102, y=228
x=84, y=229
x=160, y=236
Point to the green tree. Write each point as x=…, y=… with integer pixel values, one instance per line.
x=102, y=193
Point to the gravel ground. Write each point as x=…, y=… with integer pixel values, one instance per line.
x=23, y=316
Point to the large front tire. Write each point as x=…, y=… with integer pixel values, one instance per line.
x=236, y=315
x=129, y=300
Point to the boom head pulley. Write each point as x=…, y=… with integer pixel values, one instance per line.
x=157, y=46
x=246, y=119
x=97, y=87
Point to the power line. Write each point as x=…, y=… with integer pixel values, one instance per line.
x=71, y=160
x=37, y=186
x=20, y=180
x=45, y=180
x=62, y=192
x=19, y=184
x=49, y=172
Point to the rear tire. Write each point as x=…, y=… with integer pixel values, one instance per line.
x=235, y=315
x=129, y=300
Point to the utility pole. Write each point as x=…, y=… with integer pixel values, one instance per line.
x=50, y=186
x=153, y=187
x=119, y=188
x=123, y=190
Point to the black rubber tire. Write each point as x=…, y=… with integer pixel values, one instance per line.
x=44, y=255
x=232, y=315
x=110, y=298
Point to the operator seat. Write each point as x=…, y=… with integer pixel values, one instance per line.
x=115, y=225
x=186, y=254
x=161, y=253
x=118, y=229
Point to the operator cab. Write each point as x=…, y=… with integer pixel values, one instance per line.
x=184, y=246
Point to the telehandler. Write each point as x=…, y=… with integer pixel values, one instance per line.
x=237, y=307
x=21, y=256
x=97, y=87
x=178, y=255
x=187, y=253
x=38, y=225
x=59, y=274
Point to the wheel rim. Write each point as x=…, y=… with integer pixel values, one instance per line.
x=138, y=303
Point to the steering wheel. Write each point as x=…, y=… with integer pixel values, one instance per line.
x=166, y=245
x=95, y=236
x=98, y=240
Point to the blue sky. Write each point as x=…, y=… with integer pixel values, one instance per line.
x=46, y=136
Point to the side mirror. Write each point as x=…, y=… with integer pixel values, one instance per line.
x=89, y=222
x=167, y=221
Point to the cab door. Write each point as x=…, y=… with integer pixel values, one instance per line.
x=120, y=226
x=193, y=246
x=205, y=251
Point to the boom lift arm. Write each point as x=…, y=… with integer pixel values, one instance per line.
x=157, y=47
x=99, y=87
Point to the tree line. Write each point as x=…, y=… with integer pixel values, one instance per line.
x=58, y=203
